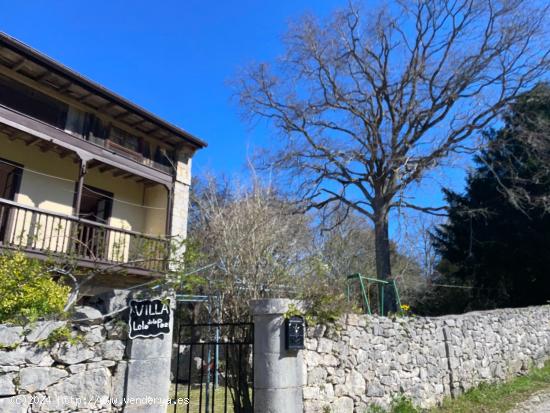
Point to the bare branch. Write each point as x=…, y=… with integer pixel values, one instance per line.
x=369, y=102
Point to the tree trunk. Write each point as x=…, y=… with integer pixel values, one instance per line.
x=382, y=251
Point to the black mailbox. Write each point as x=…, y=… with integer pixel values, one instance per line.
x=295, y=329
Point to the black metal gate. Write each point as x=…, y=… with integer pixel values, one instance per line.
x=214, y=370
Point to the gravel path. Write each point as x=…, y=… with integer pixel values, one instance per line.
x=538, y=403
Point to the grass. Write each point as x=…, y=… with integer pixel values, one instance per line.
x=487, y=398
x=498, y=398
x=399, y=405
x=194, y=397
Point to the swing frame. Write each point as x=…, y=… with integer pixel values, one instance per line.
x=364, y=285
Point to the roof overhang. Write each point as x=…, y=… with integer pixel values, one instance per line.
x=26, y=61
x=86, y=151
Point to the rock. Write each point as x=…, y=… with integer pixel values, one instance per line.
x=317, y=376
x=39, y=357
x=92, y=387
x=10, y=335
x=7, y=386
x=537, y=403
x=310, y=344
x=67, y=353
x=100, y=364
x=310, y=392
x=181, y=362
x=112, y=350
x=342, y=405
x=116, y=330
x=18, y=404
x=12, y=357
x=38, y=378
x=119, y=383
x=386, y=380
x=374, y=390
x=356, y=382
x=77, y=368
x=113, y=300
x=89, y=315
x=515, y=366
x=329, y=360
x=324, y=346
x=319, y=331
x=353, y=319
x=42, y=330
x=95, y=335
x=404, y=358
x=341, y=390
x=327, y=390
x=316, y=406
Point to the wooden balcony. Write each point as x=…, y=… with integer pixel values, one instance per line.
x=42, y=233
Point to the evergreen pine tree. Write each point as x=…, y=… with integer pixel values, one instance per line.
x=497, y=237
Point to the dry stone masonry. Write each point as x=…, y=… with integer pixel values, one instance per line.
x=371, y=359
x=101, y=371
x=37, y=376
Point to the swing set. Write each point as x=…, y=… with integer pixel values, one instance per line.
x=364, y=284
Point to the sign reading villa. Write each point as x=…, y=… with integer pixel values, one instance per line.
x=149, y=318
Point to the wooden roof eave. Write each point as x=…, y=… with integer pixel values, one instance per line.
x=29, y=54
x=85, y=150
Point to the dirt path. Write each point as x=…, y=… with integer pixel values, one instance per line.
x=537, y=403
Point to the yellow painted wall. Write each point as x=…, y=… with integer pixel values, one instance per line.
x=38, y=190
x=128, y=210
x=128, y=195
x=131, y=200
x=56, y=195
x=155, y=219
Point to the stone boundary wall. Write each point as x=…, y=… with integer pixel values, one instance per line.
x=88, y=375
x=371, y=359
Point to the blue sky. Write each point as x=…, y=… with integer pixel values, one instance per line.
x=171, y=57
x=174, y=58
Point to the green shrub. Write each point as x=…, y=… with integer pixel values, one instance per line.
x=403, y=405
x=323, y=295
x=376, y=409
x=400, y=404
x=61, y=335
x=27, y=291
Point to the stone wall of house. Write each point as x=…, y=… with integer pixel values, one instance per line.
x=371, y=359
x=40, y=374
x=181, y=194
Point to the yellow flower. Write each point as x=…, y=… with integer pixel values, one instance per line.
x=405, y=307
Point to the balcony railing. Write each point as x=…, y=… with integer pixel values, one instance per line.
x=38, y=231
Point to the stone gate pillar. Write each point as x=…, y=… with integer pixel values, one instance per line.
x=148, y=371
x=279, y=375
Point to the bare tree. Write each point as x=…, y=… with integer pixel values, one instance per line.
x=256, y=237
x=368, y=102
x=259, y=243
x=415, y=239
x=348, y=248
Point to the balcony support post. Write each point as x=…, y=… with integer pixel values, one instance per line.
x=80, y=186
x=169, y=207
